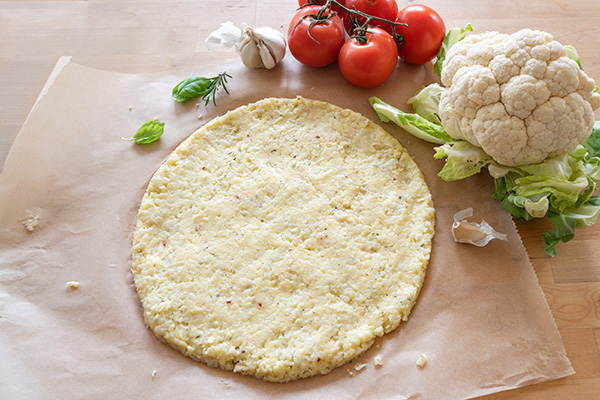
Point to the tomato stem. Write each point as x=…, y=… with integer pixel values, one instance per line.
x=319, y=18
x=360, y=30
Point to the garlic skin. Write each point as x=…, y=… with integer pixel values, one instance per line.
x=472, y=232
x=226, y=36
x=262, y=47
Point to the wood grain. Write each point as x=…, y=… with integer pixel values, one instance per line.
x=153, y=35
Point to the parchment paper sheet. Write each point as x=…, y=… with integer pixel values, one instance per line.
x=481, y=318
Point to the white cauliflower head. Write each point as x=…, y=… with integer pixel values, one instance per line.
x=518, y=97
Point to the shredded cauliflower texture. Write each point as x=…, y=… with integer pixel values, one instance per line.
x=519, y=97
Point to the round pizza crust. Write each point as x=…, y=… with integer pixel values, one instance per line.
x=282, y=238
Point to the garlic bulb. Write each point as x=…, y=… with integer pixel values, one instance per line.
x=262, y=47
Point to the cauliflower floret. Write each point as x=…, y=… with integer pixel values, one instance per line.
x=473, y=87
x=566, y=115
x=459, y=55
x=527, y=39
x=504, y=68
x=507, y=134
x=562, y=76
x=522, y=94
x=519, y=97
x=535, y=68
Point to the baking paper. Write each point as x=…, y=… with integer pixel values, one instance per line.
x=481, y=319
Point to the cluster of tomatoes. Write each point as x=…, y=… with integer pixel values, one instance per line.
x=365, y=37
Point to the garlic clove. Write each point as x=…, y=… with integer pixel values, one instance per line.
x=268, y=60
x=472, y=232
x=250, y=54
x=273, y=45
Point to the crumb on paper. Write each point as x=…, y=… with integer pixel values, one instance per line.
x=422, y=361
x=31, y=222
x=154, y=372
x=73, y=284
x=224, y=383
x=200, y=116
x=378, y=361
x=359, y=367
x=130, y=108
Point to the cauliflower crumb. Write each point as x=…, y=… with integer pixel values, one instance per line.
x=154, y=372
x=359, y=367
x=73, y=284
x=422, y=361
x=200, y=116
x=378, y=361
x=31, y=222
x=224, y=383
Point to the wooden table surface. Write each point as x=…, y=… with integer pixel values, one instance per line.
x=151, y=36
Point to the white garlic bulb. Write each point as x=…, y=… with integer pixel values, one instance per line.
x=262, y=47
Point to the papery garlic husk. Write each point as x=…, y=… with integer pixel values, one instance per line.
x=262, y=47
x=472, y=232
x=228, y=35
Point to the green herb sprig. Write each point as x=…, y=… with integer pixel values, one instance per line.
x=200, y=87
x=149, y=132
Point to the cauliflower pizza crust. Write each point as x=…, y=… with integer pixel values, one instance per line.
x=281, y=239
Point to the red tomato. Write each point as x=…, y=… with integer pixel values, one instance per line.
x=386, y=9
x=423, y=35
x=369, y=64
x=324, y=43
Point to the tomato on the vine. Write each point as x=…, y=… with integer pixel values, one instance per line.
x=386, y=9
x=334, y=7
x=315, y=37
x=369, y=63
x=423, y=35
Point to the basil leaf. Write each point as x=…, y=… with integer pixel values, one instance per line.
x=191, y=88
x=149, y=132
x=200, y=87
